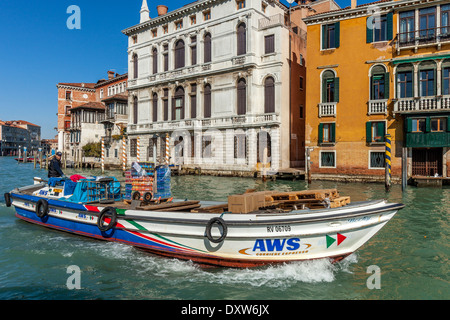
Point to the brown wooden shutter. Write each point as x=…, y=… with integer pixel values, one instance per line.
x=155, y=107
x=193, y=50
x=179, y=54
x=135, y=65
x=207, y=101
x=241, y=41
x=269, y=44
x=166, y=104
x=135, y=111
x=269, y=95
x=193, y=101
x=207, y=48
x=155, y=60
x=241, y=97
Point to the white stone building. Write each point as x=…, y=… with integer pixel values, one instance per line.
x=214, y=76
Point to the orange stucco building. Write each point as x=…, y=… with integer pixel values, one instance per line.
x=357, y=85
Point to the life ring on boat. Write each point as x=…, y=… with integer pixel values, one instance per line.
x=8, y=199
x=41, y=208
x=148, y=196
x=108, y=211
x=220, y=222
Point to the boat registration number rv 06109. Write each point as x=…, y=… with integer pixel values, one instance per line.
x=279, y=228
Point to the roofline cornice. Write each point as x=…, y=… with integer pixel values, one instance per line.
x=64, y=86
x=362, y=11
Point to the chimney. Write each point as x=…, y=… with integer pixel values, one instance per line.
x=162, y=10
x=145, y=13
x=110, y=75
x=354, y=4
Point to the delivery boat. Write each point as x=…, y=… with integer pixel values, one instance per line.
x=250, y=229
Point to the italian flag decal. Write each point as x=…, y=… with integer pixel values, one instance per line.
x=331, y=240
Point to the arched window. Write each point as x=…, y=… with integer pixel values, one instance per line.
x=155, y=60
x=379, y=83
x=178, y=104
x=207, y=101
x=155, y=107
x=207, y=48
x=330, y=87
x=269, y=95
x=241, y=97
x=241, y=39
x=179, y=54
x=135, y=65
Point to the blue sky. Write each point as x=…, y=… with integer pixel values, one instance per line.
x=38, y=50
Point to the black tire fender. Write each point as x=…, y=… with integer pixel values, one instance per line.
x=42, y=208
x=148, y=196
x=220, y=222
x=8, y=199
x=136, y=195
x=108, y=211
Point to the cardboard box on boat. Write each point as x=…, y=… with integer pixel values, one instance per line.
x=247, y=202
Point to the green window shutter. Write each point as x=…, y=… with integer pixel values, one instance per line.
x=336, y=89
x=320, y=133
x=435, y=82
x=337, y=34
x=324, y=37
x=389, y=26
x=408, y=125
x=381, y=130
x=448, y=124
x=333, y=132
x=427, y=125
x=386, y=85
x=369, y=30
x=369, y=131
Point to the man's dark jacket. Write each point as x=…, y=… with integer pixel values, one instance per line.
x=54, y=168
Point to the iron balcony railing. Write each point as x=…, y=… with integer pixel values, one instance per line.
x=423, y=37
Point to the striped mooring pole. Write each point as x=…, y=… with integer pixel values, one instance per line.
x=138, y=150
x=103, y=155
x=124, y=154
x=167, y=148
x=387, y=159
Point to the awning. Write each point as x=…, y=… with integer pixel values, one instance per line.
x=432, y=57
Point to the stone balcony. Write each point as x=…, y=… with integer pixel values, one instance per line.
x=327, y=109
x=422, y=104
x=377, y=107
x=245, y=121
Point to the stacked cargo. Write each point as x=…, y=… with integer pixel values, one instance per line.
x=163, y=188
x=140, y=179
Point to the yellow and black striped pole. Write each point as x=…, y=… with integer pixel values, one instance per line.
x=387, y=159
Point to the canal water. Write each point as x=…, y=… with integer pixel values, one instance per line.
x=411, y=253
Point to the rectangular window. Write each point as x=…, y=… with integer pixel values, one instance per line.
x=154, y=33
x=427, y=23
x=67, y=111
x=240, y=4
x=378, y=86
x=193, y=19
x=380, y=29
x=240, y=146
x=445, y=21
x=178, y=24
x=377, y=160
x=269, y=44
x=178, y=108
x=327, y=133
x=133, y=147
x=375, y=131
x=426, y=83
x=330, y=36
x=405, y=84
x=207, y=15
x=68, y=95
x=193, y=101
x=438, y=124
x=206, y=147
x=165, y=29
x=301, y=111
x=418, y=125
x=327, y=159
x=446, y=81
x=301, y=83
x=166, y=104
x=406, y=34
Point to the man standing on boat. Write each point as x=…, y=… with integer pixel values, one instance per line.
x=54, y=167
